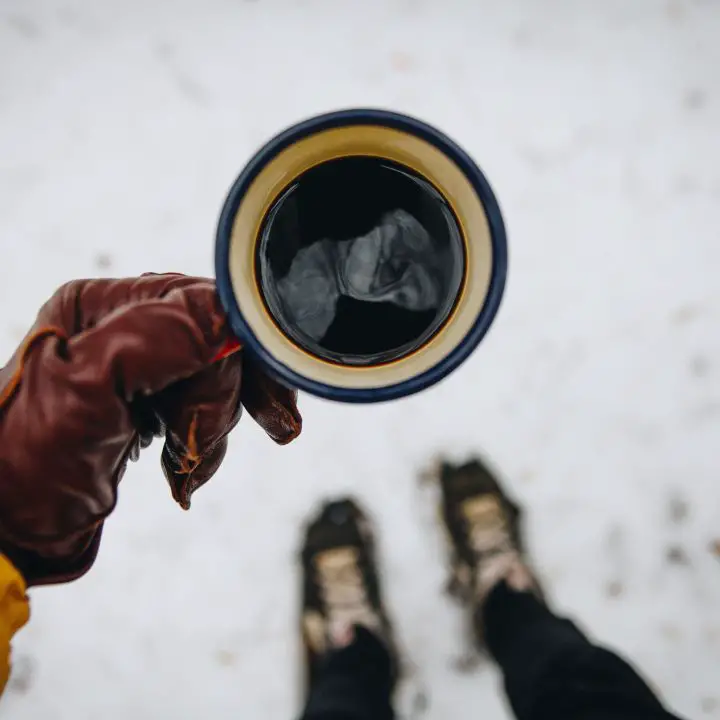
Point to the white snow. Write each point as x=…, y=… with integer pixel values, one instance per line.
x=597, y=393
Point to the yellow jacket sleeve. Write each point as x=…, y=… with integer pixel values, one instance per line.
x=14, y=612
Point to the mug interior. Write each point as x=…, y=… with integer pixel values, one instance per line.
x=360, y=260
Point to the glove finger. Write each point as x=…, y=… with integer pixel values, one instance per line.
x=81, y=304
x=272, y=405
x=184, y=480
x=198, y=413
x=146, y=345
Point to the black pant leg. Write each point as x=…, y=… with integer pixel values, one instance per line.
x=354, y=683
x=553, y=672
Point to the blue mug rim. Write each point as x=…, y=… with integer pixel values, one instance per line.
x=498, y=273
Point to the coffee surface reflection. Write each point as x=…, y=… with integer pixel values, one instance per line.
x=360, y=261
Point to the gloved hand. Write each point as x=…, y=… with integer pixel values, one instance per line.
x=108, y=365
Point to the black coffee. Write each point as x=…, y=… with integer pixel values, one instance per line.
x=360, y=261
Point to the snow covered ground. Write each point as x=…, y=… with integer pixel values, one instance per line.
x=122, y=123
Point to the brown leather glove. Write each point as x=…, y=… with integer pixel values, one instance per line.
x=108, y=365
